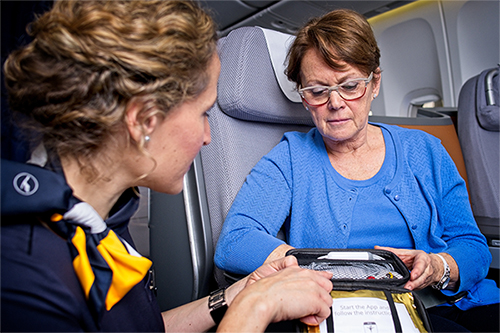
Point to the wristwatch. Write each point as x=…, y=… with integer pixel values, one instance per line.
x=445, y=279
x=217, y=304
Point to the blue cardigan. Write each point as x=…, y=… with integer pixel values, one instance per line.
x=293, y=186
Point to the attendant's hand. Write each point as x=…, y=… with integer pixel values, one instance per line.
x=425, y=269
x=272, y=267
x=259, y=273
x=280, y=291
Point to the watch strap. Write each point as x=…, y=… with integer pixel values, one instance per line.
x=217, y=304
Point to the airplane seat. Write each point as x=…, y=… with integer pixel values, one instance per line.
x=256, y=105
x=478, y=132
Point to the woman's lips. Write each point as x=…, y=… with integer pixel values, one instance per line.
x=337, y=121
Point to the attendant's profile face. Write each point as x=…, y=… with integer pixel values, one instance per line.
x=337, y=120
x=179, y=138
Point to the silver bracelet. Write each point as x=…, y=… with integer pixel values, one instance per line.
x=445, y=279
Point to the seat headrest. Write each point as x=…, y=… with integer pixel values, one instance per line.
x=278, y=44
x=488, y=111
x=252, y=84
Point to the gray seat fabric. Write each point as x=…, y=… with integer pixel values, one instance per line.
x=478, y=132
x=248, y=120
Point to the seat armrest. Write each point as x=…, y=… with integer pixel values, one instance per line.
x=232, y=277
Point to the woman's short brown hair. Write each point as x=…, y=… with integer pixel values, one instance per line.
x=341, y=35
x=89, y=59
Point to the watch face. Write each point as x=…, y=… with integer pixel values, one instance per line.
x=445, y=284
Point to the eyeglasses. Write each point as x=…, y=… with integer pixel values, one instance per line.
x=349, y=91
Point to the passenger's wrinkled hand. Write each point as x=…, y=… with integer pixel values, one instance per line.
x=424, y=271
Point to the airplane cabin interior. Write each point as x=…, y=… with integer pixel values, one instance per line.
x=434, y=56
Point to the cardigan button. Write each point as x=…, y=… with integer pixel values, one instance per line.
x=414, y=227
x=387, y=190
x=396, y=197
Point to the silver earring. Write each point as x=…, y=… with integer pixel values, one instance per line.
x=147, y=138
x=374, y=96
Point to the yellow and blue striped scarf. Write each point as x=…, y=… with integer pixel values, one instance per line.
x=106, y=265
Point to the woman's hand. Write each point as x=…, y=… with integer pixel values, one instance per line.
x=425, y=269
x=279, y=291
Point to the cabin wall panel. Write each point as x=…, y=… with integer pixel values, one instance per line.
x=458, y=41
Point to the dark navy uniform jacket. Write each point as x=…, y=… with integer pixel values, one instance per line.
x=39, y=287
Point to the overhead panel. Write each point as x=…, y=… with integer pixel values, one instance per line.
x=295, y=13
x=286, y=16
x=367, y=8
x=227, y=13
x=259, y=3
x=289, y=15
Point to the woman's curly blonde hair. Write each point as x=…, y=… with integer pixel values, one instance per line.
x=89, y=59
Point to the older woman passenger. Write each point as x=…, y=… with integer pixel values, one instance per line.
x=349, y=183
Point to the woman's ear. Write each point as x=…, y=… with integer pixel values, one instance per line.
x=139, y=125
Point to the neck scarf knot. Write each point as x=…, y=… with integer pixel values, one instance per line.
x=106, y=265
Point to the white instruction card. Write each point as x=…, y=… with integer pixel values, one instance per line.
x=366, y=315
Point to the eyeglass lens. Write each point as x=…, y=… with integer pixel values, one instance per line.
x=348, y=91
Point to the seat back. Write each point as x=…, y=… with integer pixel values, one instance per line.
x=438, y=123
x=478, y=131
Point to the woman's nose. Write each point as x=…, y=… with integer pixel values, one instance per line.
x=335, y=102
